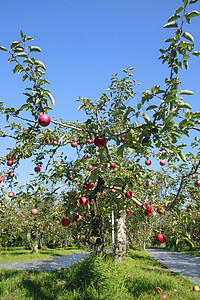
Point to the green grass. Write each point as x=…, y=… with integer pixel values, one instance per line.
x=20, y=254
x=98, y=278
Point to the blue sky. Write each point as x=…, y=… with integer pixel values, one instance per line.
x=84, y=42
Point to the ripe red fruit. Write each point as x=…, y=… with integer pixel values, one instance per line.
x=48, y=141
x=123, y=139
x=9, y=162
x=90, y=168
x=86, y=156
x=147, y=213
x=164, y=296
x=88, y=185
x=44, y=120
x=34, y=211
x=122, y=200
x=129, y=212
x=75, y=196
x=78, y=218
x=74, y=144
x=115, y=170
x=160, y=211
x=197, y=183
x=11, y=194
x=147, y=162
x=37, y=169
x=158, y=290
x=71, y=177
x=161, y=238
x=112, y=165
x=11, y=174
x=137, y=205
x=9, y=158
x=83, y=201
x=162, y=162
x=90, y=141
x=148, y=183
x=99, y=142
x=55, y=143
x=150, y=209
x=2, y=179
x=65, y=222
x=129, y=194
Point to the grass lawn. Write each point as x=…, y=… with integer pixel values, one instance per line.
x=20, y=254
x=99, y=278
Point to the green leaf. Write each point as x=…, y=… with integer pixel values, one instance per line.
x=7, y=118
x=185, y=92
x=39, y=63
x=3, y=48
x=179, y=10
x=173, y=17
x=193, y=1
x=29, y=38
x=185, y=63
x=185, y=2
x=50, y=97
x=21, y=54
x=192, y=14
x=196, y=53
x=130, y=151
x=120, y=151
x=146, y=117
x=17, y=67
x=151, y=107
x=188, y=36
x=94, y=175
x=168, y=118
x=25, y=76
x=170, y=25
x=34, y=48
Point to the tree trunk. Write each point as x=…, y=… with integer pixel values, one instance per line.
x=35, y=248
x=120, y=236
x=97, y=238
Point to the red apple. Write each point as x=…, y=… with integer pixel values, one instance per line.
x=197, y=183
x=99, y=142
x=74, y=144
x=44, y=120
x=78, y=218
x=164, y=296
x=129, y=194
x=37, y=169
x=9, y=162
x=75, y=196
x=9, y=158
x=88, y=185
x=83, y=201
x=196, y=288
x=112, y=166
x=150, y=209
x=90, y=168
x=161, y=238
x=129, y=212
x=34, y=211
x=55, y=143
x=90, y=141
x=11, y=194
x=71, y=177
x=115, y=170
x=147, y=162
x=11, y=174
x=137, y=205
x=48, y=141
x=158, y=290
x=2, y=179
x=86, y=156
x=147, y=213
x=123, y=139
x=148, y=183
x=162, y=162
x=65, y=222
x=160, y=210
x=122, y=200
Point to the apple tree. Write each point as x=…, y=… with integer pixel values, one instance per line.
x=114, y=139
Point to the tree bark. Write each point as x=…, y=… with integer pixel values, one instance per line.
x=97, y=238
x=120, y=246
